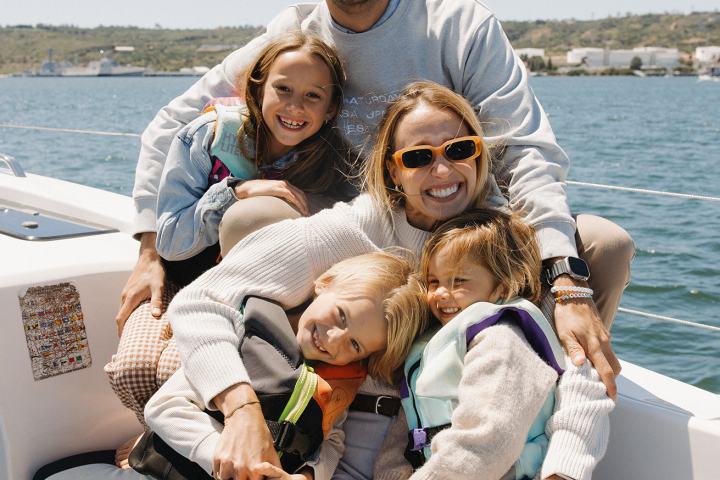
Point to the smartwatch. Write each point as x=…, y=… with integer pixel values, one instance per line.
x=573, y=266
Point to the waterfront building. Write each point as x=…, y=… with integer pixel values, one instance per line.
x=604, y=58
x=709, y=55
x=658, y=56
x=589, y=57
x=623, y=58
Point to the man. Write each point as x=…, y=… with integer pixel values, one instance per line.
x=386, y=44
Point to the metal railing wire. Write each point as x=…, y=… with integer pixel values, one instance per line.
x=629, y=311
x=70, y=130
x=689, y=196
x=669, y=319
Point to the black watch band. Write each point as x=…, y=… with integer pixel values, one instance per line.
x=233, y=182
x=573, y=266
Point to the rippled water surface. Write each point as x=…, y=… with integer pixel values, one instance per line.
x=654, y=133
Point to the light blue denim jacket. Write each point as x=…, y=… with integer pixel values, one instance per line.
x=188, y=212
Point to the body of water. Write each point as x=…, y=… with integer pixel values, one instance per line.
x=654, y=133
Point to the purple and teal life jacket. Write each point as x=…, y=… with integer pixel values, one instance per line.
x=433, y=371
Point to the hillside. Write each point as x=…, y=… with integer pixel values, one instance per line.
x=25, y=47
x=684, y=32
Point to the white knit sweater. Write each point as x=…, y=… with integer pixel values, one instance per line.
x=280, y=262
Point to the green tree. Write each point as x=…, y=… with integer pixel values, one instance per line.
x=636, y=63
x=536, y=64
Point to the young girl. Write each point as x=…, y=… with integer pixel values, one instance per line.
x=491, y=345
x=359, y=311
x=282, y=142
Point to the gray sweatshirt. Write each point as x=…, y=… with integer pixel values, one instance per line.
x=456, y=43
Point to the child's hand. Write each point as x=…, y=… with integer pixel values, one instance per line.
x=274, y=188
x=271, y=471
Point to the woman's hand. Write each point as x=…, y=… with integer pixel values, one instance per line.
x=147, y=280
x=274, y=188
x=273, y=472
x=583, y=335
x=245, y=442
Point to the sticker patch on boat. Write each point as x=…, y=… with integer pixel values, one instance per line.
x=54, y=330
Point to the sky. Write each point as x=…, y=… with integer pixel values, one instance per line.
x=215, y=13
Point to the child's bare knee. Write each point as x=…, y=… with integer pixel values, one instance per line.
x=251, y=214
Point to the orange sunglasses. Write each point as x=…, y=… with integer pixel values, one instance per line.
x=456, y=150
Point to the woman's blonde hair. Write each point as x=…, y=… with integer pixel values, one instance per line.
x=390, y=277
x=501, y=242
x=376, y=176
x=323, y=156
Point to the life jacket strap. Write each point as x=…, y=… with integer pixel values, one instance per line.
x=305, y=387
x=418, y=439
x=377, y=404
x=289, y=438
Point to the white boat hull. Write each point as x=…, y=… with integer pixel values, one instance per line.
x=43, y=420
x=661, y=428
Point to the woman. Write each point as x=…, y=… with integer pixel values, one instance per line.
x=402, y=202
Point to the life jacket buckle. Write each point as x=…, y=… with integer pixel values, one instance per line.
x=379, y=407
x=418, y=439
x=285, y=436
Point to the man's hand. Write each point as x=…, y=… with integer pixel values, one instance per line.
x=245, y=442
x=147, y=280
x=583, y=334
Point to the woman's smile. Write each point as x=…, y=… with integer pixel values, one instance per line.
x=444, y=193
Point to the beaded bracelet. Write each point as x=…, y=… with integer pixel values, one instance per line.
x=570, y=296
x=571, y=288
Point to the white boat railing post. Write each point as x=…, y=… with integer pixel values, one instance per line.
x=11, y=167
